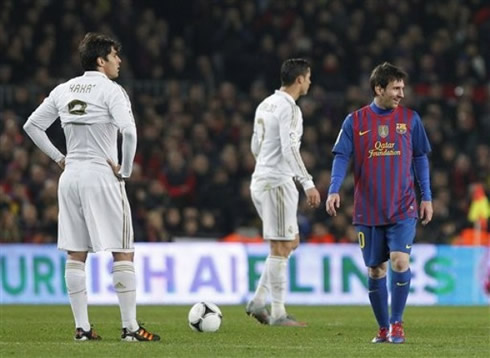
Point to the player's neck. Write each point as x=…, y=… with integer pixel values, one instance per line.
x=103, y=71
x=378, y=104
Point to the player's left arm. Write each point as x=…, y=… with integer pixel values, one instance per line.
x=290, y=144
x=254, y=141
x=128, y=146
x=120, y=109
x=421, y=147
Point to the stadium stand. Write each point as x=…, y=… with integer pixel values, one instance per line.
x=195, y=71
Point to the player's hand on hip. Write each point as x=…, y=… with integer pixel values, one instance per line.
x=332, y=204
x=61, y=163
x=426, y=212
x=115, y=168
x=313, y=197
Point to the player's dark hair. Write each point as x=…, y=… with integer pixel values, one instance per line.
x=292, y=68
x=93, y=46
x=384, y=74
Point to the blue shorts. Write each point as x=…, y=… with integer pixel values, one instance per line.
x=377, y=242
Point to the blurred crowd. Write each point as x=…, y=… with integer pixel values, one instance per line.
x=195, y=71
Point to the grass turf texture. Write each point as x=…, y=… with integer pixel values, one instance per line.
x=334, y=331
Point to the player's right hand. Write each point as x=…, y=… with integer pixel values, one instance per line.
x=313, y=197
x=115, y=168
x=61, y=163
x=332, y=203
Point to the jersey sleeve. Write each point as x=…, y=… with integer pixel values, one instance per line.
x=421, y=146
x=129, y=141
x=344, y=143
x=421, y=168
x=290, y=144
x=343, y=151
x=420, y=142
x=339, y=170
x=37, y=124
x=120, y=107
x=46, y=113
x=254, y=142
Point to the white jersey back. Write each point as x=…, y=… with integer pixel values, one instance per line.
x=91, y=108
x=276, y=140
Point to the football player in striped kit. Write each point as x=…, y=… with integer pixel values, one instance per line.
x=275, y=144
x=389, y=146
x=94, y=212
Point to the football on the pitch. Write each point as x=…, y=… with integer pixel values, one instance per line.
x=205, y=317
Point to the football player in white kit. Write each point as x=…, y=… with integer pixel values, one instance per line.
x=276, y=140
x=94, y=212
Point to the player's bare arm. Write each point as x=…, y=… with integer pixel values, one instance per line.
x=426, y=212
x=332, y=204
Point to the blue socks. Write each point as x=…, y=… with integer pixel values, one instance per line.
x=400, y=287
x=378, y=296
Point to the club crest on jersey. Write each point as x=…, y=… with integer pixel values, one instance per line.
x=401, y=128
x=383, y=131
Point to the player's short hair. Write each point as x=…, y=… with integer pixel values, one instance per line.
x=384, y=74
x=292, y=68
x=93, y=46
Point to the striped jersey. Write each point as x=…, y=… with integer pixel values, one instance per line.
x=383, y=144
x=276, y=140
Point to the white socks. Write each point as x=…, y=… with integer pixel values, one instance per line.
x=263, y=287
x=273, y=280
x=77, y=291
x=277, y=271
x=124, y=281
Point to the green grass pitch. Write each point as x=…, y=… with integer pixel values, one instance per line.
x=333, y=331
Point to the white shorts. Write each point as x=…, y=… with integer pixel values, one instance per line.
x=277, y=207
x=94, y=212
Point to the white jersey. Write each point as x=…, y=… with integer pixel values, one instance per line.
x=94, y=212
x=276, y=140
x=91, y=108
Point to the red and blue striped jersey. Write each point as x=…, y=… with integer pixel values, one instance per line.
x=383, y=144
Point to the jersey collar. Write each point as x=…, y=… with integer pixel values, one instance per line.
x=378, y=110
x=95, y=73
x=286, y=95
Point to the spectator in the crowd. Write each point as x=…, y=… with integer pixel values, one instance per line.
x=196, y=83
